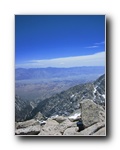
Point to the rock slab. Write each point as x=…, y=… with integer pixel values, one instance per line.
x=27, y=123
x=96, y=129
x=30, y=130
x=91, y=113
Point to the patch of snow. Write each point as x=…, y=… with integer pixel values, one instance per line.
x=42, y=122
x=103, y=95
x=95, y=89
x=74, y=116
x=54, y=116
x=94, y=93
x=72, y=96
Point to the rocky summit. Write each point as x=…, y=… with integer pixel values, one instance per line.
x=92, y=116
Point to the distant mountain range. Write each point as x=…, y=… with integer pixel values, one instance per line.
x=67, y=101
x=48, y=73
x=41, y=83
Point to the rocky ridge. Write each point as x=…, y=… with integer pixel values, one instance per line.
x=92, y=116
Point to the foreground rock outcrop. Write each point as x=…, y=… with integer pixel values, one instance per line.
x=93, y=130
x=92, y=116
x=91, y=113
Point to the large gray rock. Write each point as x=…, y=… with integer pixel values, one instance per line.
x=25, y=124
x=30, y=130
x=59, y=119
x=92, y=130
x=91, y=113
x=70, y=131
x=49, y=131
x=102, y=131
x=51, y=122
x=65, y=124
x=50, y=128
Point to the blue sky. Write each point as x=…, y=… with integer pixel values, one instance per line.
x=59, y=40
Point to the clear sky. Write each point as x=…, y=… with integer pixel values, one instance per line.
x=55, y=40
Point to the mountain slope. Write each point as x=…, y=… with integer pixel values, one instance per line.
x=22, y=109
x=68, y=101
